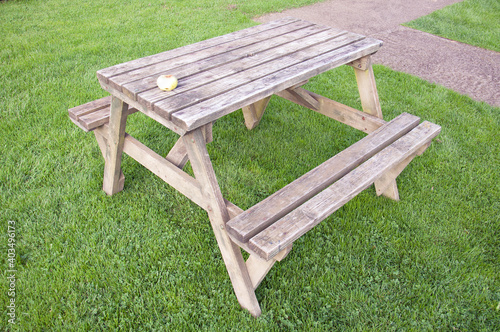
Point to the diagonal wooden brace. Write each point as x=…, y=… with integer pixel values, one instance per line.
x=258, y=268
x=305, y=98
x=178, y=154
x=253, y=113
x=335, y=110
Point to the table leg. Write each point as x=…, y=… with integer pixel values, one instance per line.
x=114, y=147
x=367, y=87
x=370, y=102
x=103, y=145
x=218, y=215
x=254, y=112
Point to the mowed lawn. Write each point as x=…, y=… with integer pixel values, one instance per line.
x=474, y=22
x=145, y=259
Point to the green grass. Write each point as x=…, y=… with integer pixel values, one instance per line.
x=145, y=259
x=474, y=22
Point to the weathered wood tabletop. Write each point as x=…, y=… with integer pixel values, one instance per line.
x=223, y=74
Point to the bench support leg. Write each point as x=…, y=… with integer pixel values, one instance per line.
x=219, y=215
x=258, y=268
x=114, y=147
x=383, y=185
x=254, y=112
x=370, y=102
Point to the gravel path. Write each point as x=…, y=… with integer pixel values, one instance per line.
x=469, y=70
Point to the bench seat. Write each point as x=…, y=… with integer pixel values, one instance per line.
x=94, y=114
x=273, y=224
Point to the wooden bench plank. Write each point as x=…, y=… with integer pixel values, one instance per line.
x=263, y=214
x=214, y=108
x=93, y=114
x=95, y=119
x=106, y=73
x=89, y=107
x=289, y=228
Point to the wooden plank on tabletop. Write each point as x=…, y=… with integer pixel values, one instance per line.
x=145, y=110
x=320, y=43
x=194, y=74
x=290, y=227
x=218, y=52
x=214, y=108
x=106, y=73
x=263, y=214
x=136, y=81
x=204, y=85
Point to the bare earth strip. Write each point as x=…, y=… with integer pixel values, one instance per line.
x=469, y=70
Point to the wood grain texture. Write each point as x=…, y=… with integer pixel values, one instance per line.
x=350, y=116
x=250, y=68
x=211, y=64
x=263, y=214
x=104, y=74
x=368, y=89
x=253, y=113
x=225, y=103
x=159, y=166
x=258, y=267
x=290, y=227
x=219, y=215
x=114, y=147
x=178, y=154
x=89, y=107
x=143, y=109
x=226, y=73
x=362, y=63
x=93, y=114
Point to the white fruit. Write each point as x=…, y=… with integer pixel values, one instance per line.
x=167, y=82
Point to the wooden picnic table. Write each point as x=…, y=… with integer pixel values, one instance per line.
x=242, y=70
